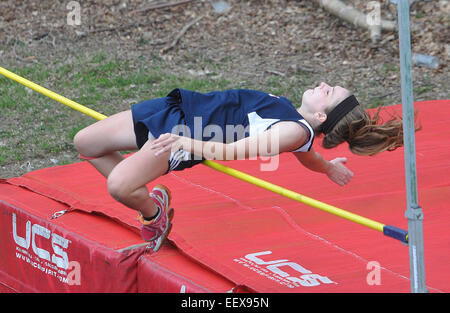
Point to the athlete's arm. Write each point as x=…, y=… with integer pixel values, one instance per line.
x=281, y=137
x=334, y=169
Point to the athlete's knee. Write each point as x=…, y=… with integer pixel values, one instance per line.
x=117, y=187
x=84, y=144
x=80, y=141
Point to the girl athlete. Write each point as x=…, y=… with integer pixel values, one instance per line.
x=257, y=119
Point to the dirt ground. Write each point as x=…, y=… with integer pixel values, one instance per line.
x=253, y=39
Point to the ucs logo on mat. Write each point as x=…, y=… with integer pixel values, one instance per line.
x=53, y=263
x=272, y=270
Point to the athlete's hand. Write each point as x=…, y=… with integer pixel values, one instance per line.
x=166, y=142
x=338, y=172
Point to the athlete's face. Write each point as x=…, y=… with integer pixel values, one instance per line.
x=323, y=97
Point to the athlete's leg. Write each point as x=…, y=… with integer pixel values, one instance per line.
x=127, y=181
x=102, y=140
x=127, y=177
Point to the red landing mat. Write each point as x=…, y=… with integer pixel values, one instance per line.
x=228, y=235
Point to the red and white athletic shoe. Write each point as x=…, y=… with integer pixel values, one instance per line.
x=157, y=230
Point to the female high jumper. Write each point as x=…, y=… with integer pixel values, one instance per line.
x=176, y=132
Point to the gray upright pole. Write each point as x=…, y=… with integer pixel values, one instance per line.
x=414, y=211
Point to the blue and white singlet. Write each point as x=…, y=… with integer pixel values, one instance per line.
x=224, y=116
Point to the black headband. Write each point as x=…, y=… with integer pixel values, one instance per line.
x=338, y=113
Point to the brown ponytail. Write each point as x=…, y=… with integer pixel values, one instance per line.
x=365, y=134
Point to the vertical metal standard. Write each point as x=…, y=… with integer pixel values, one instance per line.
x=414, y=211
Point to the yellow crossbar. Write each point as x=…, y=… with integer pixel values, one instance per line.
x=52, y=94
x=296, y=196
x=387, y=230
